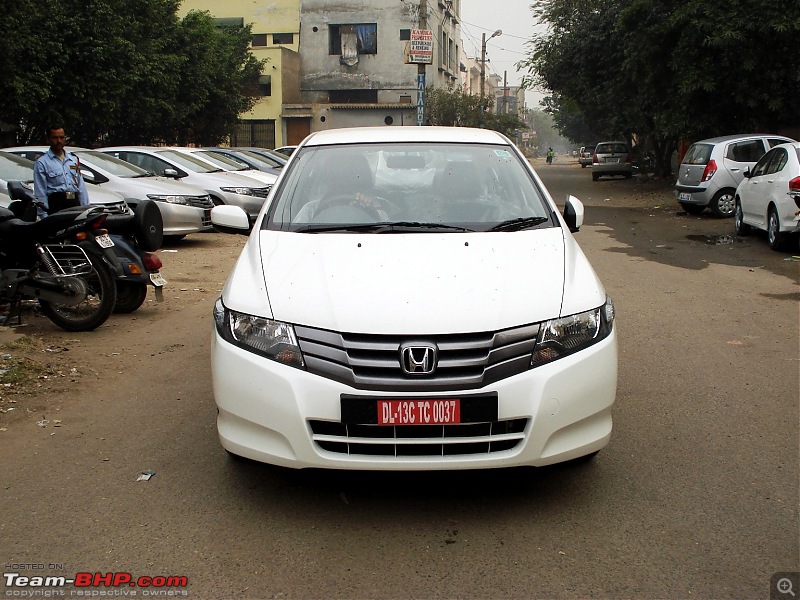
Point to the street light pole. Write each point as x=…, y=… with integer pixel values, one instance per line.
x=483, y=60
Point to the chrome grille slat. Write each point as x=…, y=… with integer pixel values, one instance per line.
x=372, y=362
x=403, y=440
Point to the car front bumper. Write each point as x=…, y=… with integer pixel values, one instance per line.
x=266, y=411
x=180, y=219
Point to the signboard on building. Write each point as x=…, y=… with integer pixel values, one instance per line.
x=420, y=47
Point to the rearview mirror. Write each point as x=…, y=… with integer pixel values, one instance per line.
x=171, y=173
x=747, y=173
x=88, y=176
x=573, y=214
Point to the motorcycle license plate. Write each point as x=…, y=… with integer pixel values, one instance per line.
x=157, y=279
x=105, y=241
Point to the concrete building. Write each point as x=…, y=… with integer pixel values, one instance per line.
x=352, y=54
x=337, y=64
x=276, y=37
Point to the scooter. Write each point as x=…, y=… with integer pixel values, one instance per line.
x=42, y=261
x=132, y=238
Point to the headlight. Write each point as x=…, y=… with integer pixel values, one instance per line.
x=272, y=339
x=564, y=336
x=243, y=191
x=170, y=199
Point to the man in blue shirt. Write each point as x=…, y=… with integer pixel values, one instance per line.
x=57, y=179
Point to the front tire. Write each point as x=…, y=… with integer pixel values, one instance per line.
x=130, y=296
x=95, y=308
x=723, y=204
x=740, y=227
x=595, y=176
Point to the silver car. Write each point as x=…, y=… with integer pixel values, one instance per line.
x=611, y=158
x=184, y=208
x=712, y=169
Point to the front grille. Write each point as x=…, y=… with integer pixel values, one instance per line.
x=200, y=201
x=418, y=440
x=117, y=208
x=205, y=220
x=372, y=362
x=262, y=192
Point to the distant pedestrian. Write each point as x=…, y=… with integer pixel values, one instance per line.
x=550, y=155
x=57, y=178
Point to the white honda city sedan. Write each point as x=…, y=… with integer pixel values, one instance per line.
x=410, y=298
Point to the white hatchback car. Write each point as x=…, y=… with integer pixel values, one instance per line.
x=411, y=299
x=768, y=197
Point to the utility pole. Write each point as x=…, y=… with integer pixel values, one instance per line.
x=505, y=92
x=483, y=61
x=423, y=24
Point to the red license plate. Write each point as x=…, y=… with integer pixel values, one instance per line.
x=419, y=412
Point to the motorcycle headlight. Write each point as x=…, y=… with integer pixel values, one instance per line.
x=242, y=191
x=567, y=335
x=169, y=199
x=273, y=339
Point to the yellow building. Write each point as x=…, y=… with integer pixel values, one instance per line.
x=274, y=120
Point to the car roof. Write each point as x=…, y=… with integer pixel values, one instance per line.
x=371, y=135
x=740, y=136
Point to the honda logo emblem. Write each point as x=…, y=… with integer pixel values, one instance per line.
x=418, y=359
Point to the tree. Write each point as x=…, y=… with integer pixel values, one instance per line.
x=660, y=70
x=454, y=108
x=123, y=72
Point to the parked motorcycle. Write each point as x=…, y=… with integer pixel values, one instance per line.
x=132, y=237
x=42, y=261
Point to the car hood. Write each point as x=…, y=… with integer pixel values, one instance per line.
x=129, y=186
x=225, y=179
x=409, y=283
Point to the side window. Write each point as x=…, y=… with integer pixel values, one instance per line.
x=749, y=151
x=779, y=159
x=775, y=141
x=146, y=162
x=763, y=164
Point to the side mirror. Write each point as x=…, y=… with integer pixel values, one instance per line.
x=88, y=176
x=171, y=173
x=747, y=173
x=573, y=214
x=230, y=219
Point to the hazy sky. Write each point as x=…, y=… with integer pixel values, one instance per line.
x=514, y=17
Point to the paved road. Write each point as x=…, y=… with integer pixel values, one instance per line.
x=695, y=497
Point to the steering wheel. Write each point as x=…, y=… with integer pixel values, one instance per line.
x=337, y=200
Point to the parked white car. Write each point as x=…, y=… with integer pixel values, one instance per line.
x=222, y=186
x=229, y=164
x=17, y=168
x=768, y=197
x=712, y=169
x=184, y=208
x=404, y=322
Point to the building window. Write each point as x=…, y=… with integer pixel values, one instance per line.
x=258, y=39
x=265, y=85
x=353, y=96
x=405, y=34
x=363, y=36
x=283, y=38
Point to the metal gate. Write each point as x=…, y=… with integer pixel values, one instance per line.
x=254, y=132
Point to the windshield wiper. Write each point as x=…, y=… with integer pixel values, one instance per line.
x=387, y=227
x=519, y=223
x=146, y=174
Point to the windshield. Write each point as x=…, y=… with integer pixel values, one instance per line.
x=223, y=161
x=264, y=161
x=430, y=186
x=191, y=163
x=111, y=164
x=15, y=168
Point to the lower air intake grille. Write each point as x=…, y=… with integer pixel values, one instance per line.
x=418, y=440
